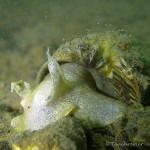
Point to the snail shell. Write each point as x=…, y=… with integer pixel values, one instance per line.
x=104, y=56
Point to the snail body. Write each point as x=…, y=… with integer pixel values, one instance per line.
x=48, y=102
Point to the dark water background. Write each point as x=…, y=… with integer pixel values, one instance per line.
x=24, y=23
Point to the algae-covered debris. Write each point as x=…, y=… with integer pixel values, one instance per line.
x=5, y=145
x=138, y=126
x=69, y=132
x=65, y=134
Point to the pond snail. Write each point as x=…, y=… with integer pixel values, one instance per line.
x=91, y=77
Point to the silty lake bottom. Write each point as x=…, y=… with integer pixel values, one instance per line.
x=27, y=28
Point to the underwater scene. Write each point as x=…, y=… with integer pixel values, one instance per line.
x=74, y=74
